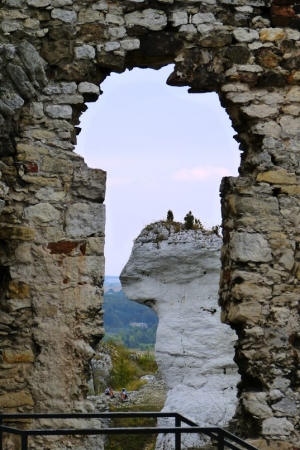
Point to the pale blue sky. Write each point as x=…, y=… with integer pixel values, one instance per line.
x=162, y=149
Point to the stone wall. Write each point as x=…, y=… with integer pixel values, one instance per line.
x=53, y=55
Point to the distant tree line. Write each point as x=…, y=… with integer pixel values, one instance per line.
x=119, y=312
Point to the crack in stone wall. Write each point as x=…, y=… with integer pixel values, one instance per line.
x=53, y=56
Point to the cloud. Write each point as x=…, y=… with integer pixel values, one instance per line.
x=200, y=173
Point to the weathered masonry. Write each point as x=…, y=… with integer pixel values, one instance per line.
x=53, y=56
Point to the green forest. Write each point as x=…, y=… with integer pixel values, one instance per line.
x=119, y=312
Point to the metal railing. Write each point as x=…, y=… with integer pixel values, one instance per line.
x=222, y=437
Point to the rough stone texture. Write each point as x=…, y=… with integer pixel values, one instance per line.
x=245, y=50
x=177, y=275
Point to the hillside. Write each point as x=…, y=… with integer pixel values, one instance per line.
x=134, y=324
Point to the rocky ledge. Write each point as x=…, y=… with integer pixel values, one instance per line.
x=176, y=273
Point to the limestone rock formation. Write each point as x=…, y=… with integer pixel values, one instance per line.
x=177, y=274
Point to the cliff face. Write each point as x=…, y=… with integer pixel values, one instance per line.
x=177, y=274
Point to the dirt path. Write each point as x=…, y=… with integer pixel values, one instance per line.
x=150, y=395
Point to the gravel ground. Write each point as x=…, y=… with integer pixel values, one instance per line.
x=153, y=393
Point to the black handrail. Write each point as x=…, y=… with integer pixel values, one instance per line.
x=223, y=437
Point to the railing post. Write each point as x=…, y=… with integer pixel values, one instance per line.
x=221, y=439
x=24, y=441
x=1, y=433
x=177, y=433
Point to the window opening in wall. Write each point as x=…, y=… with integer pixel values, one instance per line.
x=162, y=149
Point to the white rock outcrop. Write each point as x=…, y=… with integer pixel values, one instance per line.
x=177, y=274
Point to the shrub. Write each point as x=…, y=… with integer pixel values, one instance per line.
x=178, y=227
x=189, y=221
x=216, y=229
x=198, y=225
x=147, y=362
x=170, y=216
x=123, y=369
x=127, y=369
x=133, y=441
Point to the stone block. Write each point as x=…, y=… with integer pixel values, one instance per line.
x=89, y=32
x=18, y=356
x=289, y=126
x=42, y=214
x=246, y=312
x=280, y=176
x=179, y=18
x=152, y=19
x=11, y=14
x=88, y=88
x=286, y=407
x=130, y=44
x=17, y=233
x=16, y=399
x=199, y=18
x=84, y=220
x=37, y=109
x=191, y=29
x=17, y=304
x=90, y=183
x=256, y=404
x=293, y=110
x=250, y=291
x=43, y=135
x=117, y=32
x=11, y=99
x=245, y=35
x=271, y=34
x=249, y=247
x=111, y=46
x=21, y=80
x=9, y=26
x=49, y=194
x=254, y=206
x=95, y=246
x=39, y=3
x=115, y=19
x=67, y=247
x=277, y=427
x=56, y=52
x=260, y=111
x=85, y=52
x=57, y=165
x=287, y=260
x=84, y=270
x=90, y=16
x=59, y=111
x=64, y=15
x=41, y=180
x=69, y=99
x=33, y=62
x=18, y=289
x=101, y=6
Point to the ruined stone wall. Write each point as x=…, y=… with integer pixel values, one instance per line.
x=53, y=55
